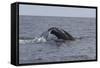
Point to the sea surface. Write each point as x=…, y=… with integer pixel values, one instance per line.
x=82, y=29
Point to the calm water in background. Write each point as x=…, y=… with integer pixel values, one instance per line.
x=83, y=48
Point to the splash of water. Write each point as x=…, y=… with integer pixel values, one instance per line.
x=35, y=40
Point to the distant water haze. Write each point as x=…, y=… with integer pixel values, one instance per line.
x=37, y=10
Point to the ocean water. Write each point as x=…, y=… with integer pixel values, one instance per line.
x=82, y=29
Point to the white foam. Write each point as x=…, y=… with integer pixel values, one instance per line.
x=35, y=40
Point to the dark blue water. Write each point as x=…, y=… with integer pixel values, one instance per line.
x=82, y=29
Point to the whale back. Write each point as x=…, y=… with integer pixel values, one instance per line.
x=60, y=33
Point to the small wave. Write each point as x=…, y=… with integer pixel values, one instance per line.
x=84, y=37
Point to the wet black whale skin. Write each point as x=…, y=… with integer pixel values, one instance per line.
x=60, y=34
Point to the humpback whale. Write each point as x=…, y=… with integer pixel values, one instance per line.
x=58, y=32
